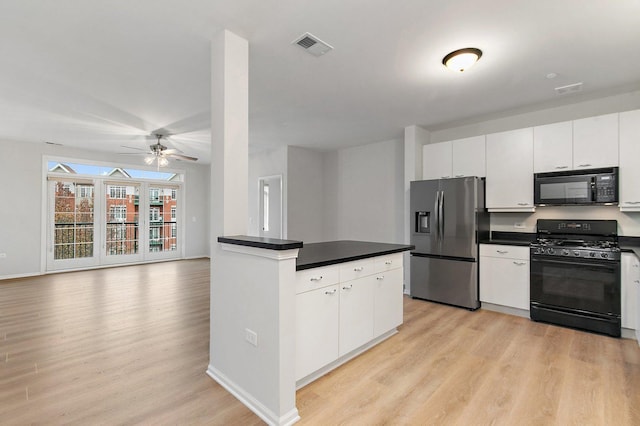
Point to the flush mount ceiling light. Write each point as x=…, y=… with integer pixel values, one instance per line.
x=462, y=59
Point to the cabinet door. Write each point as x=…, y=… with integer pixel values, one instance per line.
x=510, y=171
x=629, y=287
x=595, y=142
x=630, y=161
x=387, y=301
x=553, y=147
x=436, y=161
x=504, y=282
x=316, y=329
x=356, y=313
x=469, y=157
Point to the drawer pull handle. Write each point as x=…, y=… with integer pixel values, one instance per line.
x=502, y=251
x=445, y=177
x=459, y=175
x=380, y=278
x=637, y=281
x=584, y=165
x=348, y=287
x=523, y=204
x=519, y=263
x=318, y=278
x=562, y=167
x=330, y=292
x=388, y=262
x=631, y=202
x=358, y=269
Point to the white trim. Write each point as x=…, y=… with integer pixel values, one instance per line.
x=261, y=252
x=524, y=313
x=251, y=403
x=10, y=277
x=260, y=203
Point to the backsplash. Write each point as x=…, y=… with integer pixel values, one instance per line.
x=628, y=223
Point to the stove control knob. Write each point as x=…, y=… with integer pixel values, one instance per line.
x=576, y=252
x=565, y=252
x=550, y=251
x=604, y=255
x=592, y=254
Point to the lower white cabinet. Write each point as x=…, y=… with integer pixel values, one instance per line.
x=317, y=339
x=504, y=275
x=630, y=283
x=337, y=318
x=356, y=314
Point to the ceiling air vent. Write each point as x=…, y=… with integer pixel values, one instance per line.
x=571, y=88
x=312, y=44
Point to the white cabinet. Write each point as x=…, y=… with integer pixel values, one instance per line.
x=553, y=147
x=316, y=329
x=387, y=301
x=509, y=184
x=504, y=275
x=343, y=307
x=457, y=158
x=356, y=313
x=595, y=142
x=630, y=282
x=629, y=174
x=468, y=157
x=436, y=161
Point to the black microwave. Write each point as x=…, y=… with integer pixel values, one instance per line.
x=576, y=187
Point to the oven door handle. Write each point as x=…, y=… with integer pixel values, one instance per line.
x=609, y=265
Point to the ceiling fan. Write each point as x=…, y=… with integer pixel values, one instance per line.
x=159, y=153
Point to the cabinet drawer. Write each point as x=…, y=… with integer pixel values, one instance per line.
x=356, y=269
x=510, y=252
x=311, y=279
x=387, y=263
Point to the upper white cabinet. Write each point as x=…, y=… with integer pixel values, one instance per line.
x=630, y=161
x=469, y=156
x=595, y=142
x=436, y=161
x=457, y=158
x=509, y=184
x=553, y=147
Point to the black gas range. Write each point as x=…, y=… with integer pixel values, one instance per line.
x=575, y=274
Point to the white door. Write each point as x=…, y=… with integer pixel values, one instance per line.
x=270, y=201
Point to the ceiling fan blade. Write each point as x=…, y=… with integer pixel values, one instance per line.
x=133, y=147
x=133, y=153
x=171, y=151
x=182, y=157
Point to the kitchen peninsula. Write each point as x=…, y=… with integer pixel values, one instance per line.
x=294, y=311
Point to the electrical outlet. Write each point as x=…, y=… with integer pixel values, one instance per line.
x=519, y=225
x=251, y=336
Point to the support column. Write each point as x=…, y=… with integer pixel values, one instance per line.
x=252, y=328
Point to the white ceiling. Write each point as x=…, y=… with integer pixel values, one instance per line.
x=105, y=73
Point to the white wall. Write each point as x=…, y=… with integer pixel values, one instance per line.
x=261, y=164
x=21, y=218
x=306, y=183
x=364, y=193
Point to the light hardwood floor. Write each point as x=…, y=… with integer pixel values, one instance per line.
x=129, y=345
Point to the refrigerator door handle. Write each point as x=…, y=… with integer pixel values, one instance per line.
x=435, y=211
x=441, y=214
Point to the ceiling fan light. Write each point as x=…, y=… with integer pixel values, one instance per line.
x=149, y=160
x=462, y=59
x=162, y=161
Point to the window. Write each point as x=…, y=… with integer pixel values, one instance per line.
x=154, y=214
x=118, y=214
x=174, y=230
x=173, y=213
x=84, y=191
x=154, y=195
x=154, y=233
x=117, y=192
x=173, y=194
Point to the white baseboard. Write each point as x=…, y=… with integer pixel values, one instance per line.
x=10, y=277
x=524, y=313
x=251, y=403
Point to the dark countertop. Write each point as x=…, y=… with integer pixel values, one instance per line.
x=510, y=238
x=315, y=255
x=630, y=244
x=261, y=242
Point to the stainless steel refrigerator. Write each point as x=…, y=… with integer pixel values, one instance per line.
x=448, y=217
